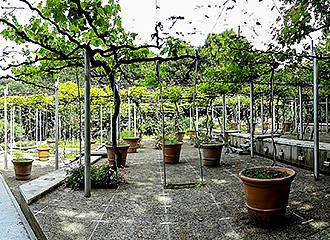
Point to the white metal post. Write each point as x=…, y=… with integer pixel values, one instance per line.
x=262, y=114
x=101, y=125
x=301, y=126
x=326, y=114
x=224, y=114
x=134, y=119
x=56, y=124
x=190, y=119
x=5, y=123
x=197, y=119
x=36, y=130
x=87, y=101
x=316, y=117
x=239, y=112
x=251, y=121
x=129, y=111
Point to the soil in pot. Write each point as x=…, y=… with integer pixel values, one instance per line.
x=111, y=154
x=267, y=192
x=132, y=142
x=172, y=152
x=23, y=169
x=211, y=154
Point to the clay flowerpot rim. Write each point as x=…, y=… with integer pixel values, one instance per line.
x=27, y=160
x=43, y=149
x=289, y=178
x=211, y=145
x=173, y=144
x=131, y=138
x=119, y=146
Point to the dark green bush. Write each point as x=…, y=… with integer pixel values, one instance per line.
x=102, y=176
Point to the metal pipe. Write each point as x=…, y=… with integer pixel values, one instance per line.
x=163, y=121
x=56, y=123
x=316, y=117
x=197, y=119
x=239, y=112
x=36, y=131
x=262, y=114
x=101, y=116
x=87, y=101
x=5, y=122
x=223, y=114
x=301, y=126
x=134, y=116
x=251, y=121
x=326, y=114
x=129, y=112
x=190, y=119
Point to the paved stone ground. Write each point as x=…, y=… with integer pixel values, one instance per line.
x=142, y=209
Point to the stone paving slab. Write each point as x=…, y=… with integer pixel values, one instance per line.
x=36, y=188
x=13, y=224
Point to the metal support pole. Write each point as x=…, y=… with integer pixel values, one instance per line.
x=11, y=131
x=223, y=114
x=134, y=116
x=5, y=123
x=87, y=101
x=251, y=121
x=190, y=119
x=36, y=130
x=163, y=121
x=197, y=119
x=301, y=126
x=40, y=126
x=295, y=114
x=110, y=123
x=239, y=113
x=262, y=114
x=316, y=117
x=101, y=124
x=20, y=126
x=56, y=124
x=326, y=114
x=129, y=112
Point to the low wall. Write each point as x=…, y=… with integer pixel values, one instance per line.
x=295, y=152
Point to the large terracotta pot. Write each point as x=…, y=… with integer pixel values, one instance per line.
x=180, y=135
x=266, y=199
x=266, y=126
x=111, y=154
x=23, y=169
x=172, y=152
x=132, y=142
x=211, y=154
x=43, y=153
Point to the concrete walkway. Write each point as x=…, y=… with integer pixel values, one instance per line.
x=13, y=224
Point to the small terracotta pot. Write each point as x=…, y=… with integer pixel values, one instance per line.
x=266, y=126
x=266, y=199
x=211, y=154
x=132, y=141
x=172, y=152
x=51, y=143
x=192, y=134
x=287, y=126
x=22, y=169
x=111, y=154
x=180, y=135
x=43, y=154
x=93, y=142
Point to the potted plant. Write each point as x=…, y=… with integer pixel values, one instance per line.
x=172, y=149
x=51, y=143
x=123, y=148
x=43, y=152
x=131, y=140
x=211, y=150
x=267, y=191
x=22, y=166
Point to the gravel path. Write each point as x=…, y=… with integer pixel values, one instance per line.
x=142, y=209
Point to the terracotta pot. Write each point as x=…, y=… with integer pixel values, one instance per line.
x=23, y=169
x=132, y=141
x=93, y=144
x=51, y=143
x=211, y=154
x=266, y=199
x=287, y=126
x=111, y=154
x=180, y=135
x=266, y=126
x=43, y=153
x=172, y=152
x=192, y=134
